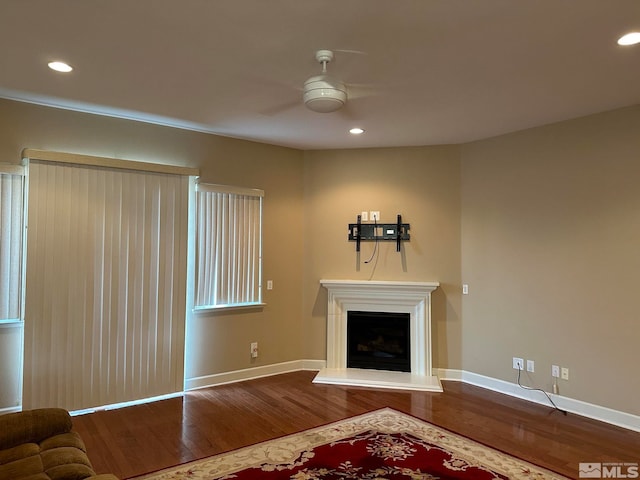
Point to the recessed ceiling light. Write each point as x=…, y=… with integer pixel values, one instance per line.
x=629, y=39
x=60, y=67
x=356, y=131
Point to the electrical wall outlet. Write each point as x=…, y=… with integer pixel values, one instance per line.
x=564, y=373
x=531, y=367
x=374, y=215
x=555, y=371
x=254, y=350
x=518, y=363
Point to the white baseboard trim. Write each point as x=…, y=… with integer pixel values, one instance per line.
x=589, y=410
x=6, y=410
x=596, y=412
x=252, y=373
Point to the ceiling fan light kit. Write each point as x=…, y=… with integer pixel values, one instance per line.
x=322, y=93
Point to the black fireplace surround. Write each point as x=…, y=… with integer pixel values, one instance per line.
x=378, y=340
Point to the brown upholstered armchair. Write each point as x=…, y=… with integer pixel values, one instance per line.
x=40, y=445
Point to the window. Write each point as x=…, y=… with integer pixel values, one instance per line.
x=11, y=231
x=228, y=246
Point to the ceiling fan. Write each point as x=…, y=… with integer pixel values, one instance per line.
x=323, y=93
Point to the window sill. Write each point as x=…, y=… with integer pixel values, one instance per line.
x=228, y=308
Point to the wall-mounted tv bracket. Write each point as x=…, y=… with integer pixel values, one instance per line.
x=379, y=231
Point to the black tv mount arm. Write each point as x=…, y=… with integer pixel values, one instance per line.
x=379, y=232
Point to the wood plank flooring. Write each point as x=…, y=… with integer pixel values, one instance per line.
x=139, y=439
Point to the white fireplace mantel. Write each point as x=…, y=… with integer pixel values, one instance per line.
x=413, y=298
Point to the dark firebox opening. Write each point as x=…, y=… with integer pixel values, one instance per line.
x=378, y=340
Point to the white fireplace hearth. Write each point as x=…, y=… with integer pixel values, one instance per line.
x=413, y=298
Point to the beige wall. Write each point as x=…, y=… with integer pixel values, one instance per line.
x=550, y=250
x=216, y=344
x=423, y=185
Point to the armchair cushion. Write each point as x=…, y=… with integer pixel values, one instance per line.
x=41, y=445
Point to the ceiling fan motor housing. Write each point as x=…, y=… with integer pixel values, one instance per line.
x=323, y=94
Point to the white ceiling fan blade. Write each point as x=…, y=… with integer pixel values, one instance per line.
x=284, y=95
x=352, y=52
x=276, y=109
x=361, y=90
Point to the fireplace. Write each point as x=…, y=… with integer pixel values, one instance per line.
x=387, y=297
x=378, y=340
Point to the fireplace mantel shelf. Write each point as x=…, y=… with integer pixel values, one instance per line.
x=376, y=295
x=377, y=284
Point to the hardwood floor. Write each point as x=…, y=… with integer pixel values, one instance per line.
x=139, y=439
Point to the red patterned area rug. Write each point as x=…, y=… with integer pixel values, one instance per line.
x=381, y=445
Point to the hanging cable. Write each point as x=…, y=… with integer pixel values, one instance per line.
x=375, y=247
x=564, y=412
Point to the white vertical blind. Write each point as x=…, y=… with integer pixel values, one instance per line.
x=228, y=246
x=11, y=230
x=105, y=285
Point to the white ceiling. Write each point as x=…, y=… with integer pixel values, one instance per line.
x=436, y=71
